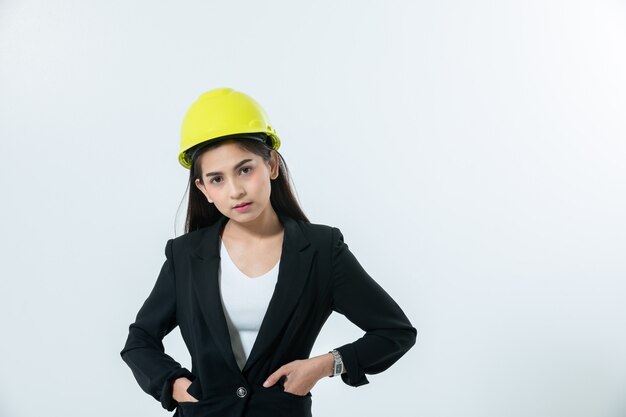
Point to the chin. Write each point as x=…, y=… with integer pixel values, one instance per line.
x=244, y=217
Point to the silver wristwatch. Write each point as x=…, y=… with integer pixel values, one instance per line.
x=338, y=367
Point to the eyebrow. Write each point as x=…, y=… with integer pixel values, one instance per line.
x=234, y=168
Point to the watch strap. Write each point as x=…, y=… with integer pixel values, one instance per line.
x=338, y=363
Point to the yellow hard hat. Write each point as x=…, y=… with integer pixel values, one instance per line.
x=219, y=113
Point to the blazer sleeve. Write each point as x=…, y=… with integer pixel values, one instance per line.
x=143, y=352
x=388, y=332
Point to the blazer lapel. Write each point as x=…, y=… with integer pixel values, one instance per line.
x=293, y=271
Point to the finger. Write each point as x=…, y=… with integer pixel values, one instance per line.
x=271, y=380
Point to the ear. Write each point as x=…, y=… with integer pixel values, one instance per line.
x=274, y=165
x=202, y=188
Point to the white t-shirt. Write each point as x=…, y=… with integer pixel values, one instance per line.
x=245, y=301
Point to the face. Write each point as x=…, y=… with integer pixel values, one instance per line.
x=232, y=176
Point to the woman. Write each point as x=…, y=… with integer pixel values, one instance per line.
x=252, y=282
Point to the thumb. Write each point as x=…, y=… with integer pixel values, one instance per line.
x=271, y=380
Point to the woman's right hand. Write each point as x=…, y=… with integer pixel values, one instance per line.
x=179, y=390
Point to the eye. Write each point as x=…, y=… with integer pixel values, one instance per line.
x=250, y=168
x=212, y=181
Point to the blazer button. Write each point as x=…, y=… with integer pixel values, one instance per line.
x=241, y=392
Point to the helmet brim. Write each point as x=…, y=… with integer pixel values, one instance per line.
x=192, y=153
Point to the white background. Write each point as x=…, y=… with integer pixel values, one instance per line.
x=472, y=153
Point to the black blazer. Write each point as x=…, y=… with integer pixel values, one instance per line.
x=317, y=275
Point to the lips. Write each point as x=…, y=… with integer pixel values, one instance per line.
x=241, y=205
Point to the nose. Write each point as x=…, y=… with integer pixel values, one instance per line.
x=236, y=190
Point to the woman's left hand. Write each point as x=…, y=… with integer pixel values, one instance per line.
x=301, y=375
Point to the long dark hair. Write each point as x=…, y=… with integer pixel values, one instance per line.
x=201, y=213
